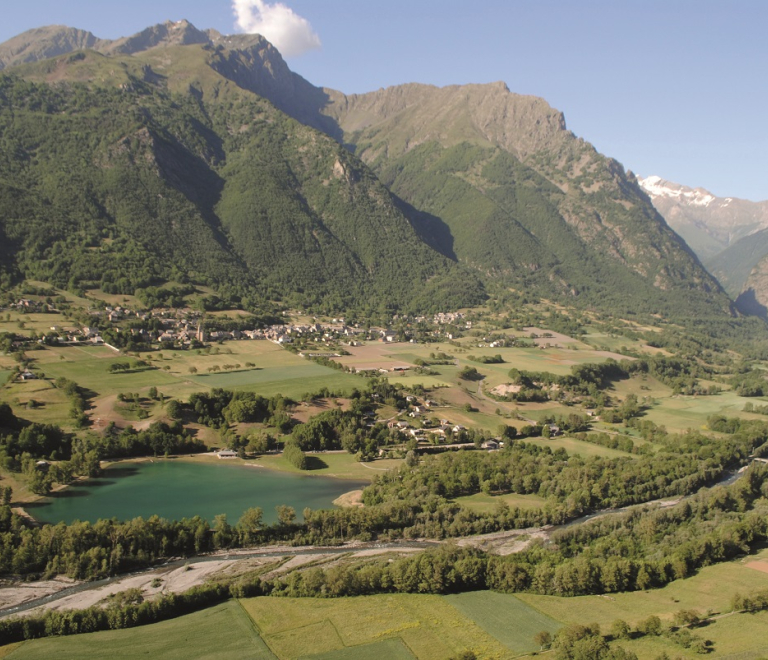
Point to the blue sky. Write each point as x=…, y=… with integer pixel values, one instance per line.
x=676, y=88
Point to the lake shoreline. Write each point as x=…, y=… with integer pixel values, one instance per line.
x=185, y=486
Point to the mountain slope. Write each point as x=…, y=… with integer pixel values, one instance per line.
x=709, y=224
x=125, y=171
x=522, y=199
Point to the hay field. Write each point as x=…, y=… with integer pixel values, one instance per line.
x=430, y=627
x=220, y=632
x=505, y=617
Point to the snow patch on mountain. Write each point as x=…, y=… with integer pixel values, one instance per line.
x=655, y=186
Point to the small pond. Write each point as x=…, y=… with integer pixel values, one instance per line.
x=177, y=489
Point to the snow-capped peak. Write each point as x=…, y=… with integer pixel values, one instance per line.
x=655, y=186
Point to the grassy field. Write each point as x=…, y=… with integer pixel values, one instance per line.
x=679, y=413
x=341, y=465
x=291, y=380
x=220, y=632
x=52, y=406
x=428, y=625
x=505, y=617
x=736, y=637
x=89, y=368
x=483, y=503
x=711, y=589
x=574, y=446
x=28, y=323
x=391, y=649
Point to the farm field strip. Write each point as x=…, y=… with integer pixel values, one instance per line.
x=505, y=617
x=223, y=631
x=428, y=625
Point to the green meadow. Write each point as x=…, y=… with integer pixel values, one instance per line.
x=223, y=631
x=482, y=503
x=505, y=617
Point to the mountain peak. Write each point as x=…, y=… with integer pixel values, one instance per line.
x=655, y=186
x=44, y=42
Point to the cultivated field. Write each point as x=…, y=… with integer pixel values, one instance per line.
x=224, y=631
x=505, y=617
x=429, y=626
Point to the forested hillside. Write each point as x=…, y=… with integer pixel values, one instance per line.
x=115, y=179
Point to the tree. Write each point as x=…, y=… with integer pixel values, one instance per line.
x=543, y=639
x=173, y=408
x=286, y=514
x=650, y=626
x=620, y=629
x=193, y=370
x=687, y=618
x=470, y=373
x=250, y=524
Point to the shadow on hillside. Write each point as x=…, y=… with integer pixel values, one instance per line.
x=747, y=303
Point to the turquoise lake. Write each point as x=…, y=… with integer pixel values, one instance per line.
x=179, y=489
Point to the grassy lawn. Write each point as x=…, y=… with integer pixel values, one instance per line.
x=222, y=632
x=428, y=625
x=342, y=465
x=505, y=617
x=483, y=503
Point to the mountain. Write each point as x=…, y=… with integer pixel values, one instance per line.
x=497, y=179
x=42, y=43
x=54, y=40
x=709, y=224
x=742, y=268
x=729, y=235
x=128, y=171
x=174, y=150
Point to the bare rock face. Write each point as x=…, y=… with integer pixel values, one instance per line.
x=416, y=113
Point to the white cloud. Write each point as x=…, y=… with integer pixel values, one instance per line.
x=290, y=33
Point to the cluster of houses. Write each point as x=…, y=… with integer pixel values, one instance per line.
x=183, y=327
